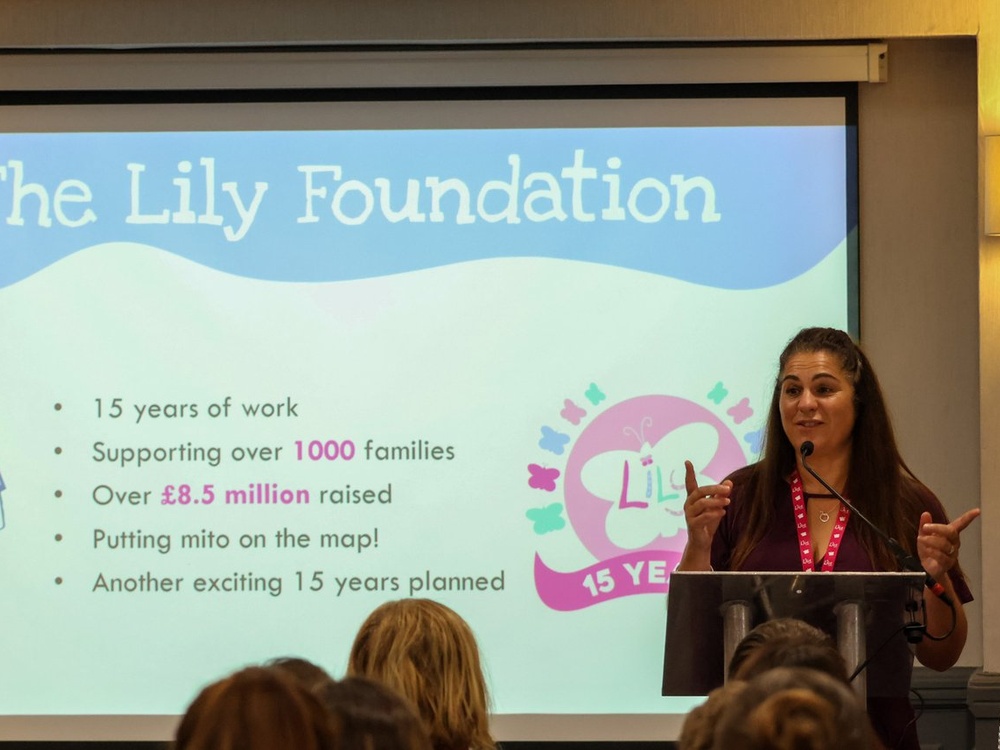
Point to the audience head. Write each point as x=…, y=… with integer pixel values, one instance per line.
x=786, y=642
x=372, y=716
x=792, y=708
x=427, y=653
x=256, y=709
x=311, y=675
x=698, y=732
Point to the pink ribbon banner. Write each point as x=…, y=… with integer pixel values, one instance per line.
x=642, y=572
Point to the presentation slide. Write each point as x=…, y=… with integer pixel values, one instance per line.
x=258, y=381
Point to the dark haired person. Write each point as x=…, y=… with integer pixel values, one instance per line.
x=793, y=709
x=308, y=673
x=257, y=708
x=373, y=716
x=774, y=515
x=698, y=732
x=786, y=642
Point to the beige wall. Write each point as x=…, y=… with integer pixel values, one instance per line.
x=930, y=281
x=989, y=342
x=919, y=242
x=131, y=22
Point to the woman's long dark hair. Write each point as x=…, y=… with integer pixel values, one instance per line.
x=879, y=482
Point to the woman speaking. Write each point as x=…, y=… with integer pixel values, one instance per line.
x=776, y=516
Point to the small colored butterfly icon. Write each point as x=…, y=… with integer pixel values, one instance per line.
x=594, y=394
x=546, y=519
x=741, y=412
x=718, y=393
x=755, y=440
x=542, y=478
x=552, y=441
x=572, y=413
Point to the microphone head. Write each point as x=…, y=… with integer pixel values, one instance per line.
x=806, y=448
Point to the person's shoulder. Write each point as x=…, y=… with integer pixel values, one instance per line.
x=923, y=495
x=922, y=498
x=744, y=474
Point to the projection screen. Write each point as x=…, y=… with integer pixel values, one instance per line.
x=271, y=363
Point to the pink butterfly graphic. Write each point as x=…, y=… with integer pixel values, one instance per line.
x=542, y=478
x=741, y=412
x=572, y=413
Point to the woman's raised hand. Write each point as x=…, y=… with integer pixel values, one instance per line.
x=938, y=543
x=703, y=510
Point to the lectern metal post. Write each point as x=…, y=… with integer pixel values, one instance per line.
x=737, y=618
x=851, y=642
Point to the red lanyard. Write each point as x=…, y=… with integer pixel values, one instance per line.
x=802, y=528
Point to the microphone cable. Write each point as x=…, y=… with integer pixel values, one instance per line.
x=906, y=561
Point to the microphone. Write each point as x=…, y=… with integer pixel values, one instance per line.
x=906, y=561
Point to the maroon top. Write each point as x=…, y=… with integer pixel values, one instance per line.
x=893, y=718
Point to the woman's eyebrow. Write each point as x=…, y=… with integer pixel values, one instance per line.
x=817, y=376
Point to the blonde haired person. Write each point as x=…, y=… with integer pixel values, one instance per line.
x=428, y=654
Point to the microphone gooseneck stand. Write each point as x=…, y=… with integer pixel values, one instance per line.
x=906, y=561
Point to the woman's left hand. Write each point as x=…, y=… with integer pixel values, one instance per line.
x=938, y=543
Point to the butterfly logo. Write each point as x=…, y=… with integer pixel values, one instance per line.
x=594, y=394
x=542, y=478
x=741, y=412
x=552, y=441
x=755, y=440
x=718, y=393
x=546, y=519
x=572, y=413
x=645, y=487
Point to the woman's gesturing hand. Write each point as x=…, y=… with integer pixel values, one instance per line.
x=704, y=508
x=938, y=543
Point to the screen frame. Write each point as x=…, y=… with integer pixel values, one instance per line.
x=511, y=727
